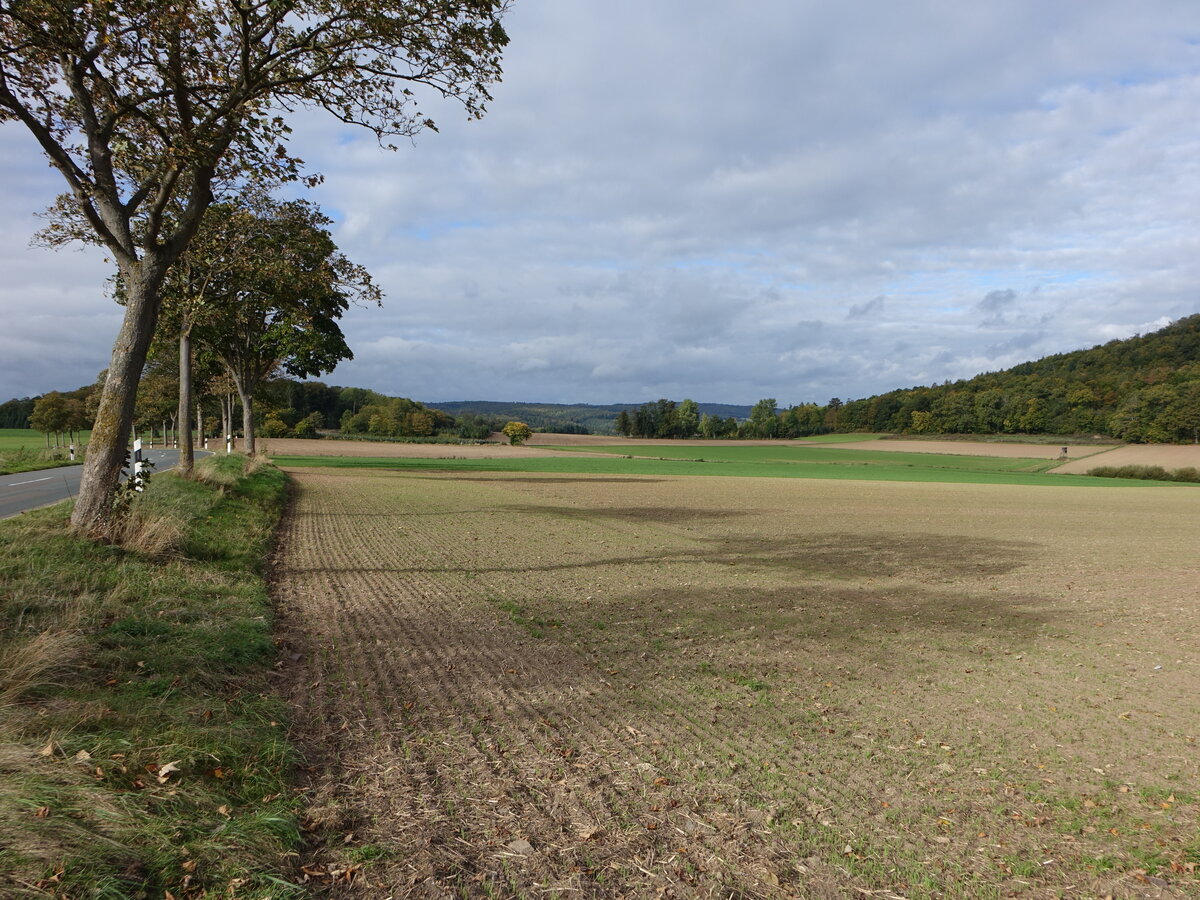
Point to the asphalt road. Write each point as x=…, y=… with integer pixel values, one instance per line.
x=30, y=490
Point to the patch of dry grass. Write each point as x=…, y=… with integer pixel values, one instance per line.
x=31, y=662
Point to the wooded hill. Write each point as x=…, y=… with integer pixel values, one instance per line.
x=567, y=418
x=1143, y=389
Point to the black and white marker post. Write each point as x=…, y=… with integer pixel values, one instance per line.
x=139, y=482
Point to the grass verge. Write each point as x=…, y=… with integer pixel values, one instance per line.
x=141, y=747
x=23, y=459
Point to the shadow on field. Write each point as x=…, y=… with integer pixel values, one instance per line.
x=657, y=515
x=878, y=554
x=777, y=621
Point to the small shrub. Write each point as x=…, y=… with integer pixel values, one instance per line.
x=1188, y=474
x=274, y=428
x=222, y=469
x=518, y=432
x=307, y=427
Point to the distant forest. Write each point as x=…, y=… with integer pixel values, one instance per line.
x=576, y=418
x=1144, y=389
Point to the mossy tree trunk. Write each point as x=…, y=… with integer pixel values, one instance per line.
x=114, y=417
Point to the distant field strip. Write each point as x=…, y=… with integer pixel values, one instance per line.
x=785, y=461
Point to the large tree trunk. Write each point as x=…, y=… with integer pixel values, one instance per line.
x=114, y=418
x=247, y=399
x=186, y=457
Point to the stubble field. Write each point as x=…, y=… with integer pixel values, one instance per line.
x=529, y=685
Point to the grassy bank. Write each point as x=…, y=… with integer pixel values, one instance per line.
x=141, y=746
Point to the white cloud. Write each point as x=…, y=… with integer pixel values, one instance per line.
x=789, y=199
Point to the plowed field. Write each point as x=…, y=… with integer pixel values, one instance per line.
x=522, y=685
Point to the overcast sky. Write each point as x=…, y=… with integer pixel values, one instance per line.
x=727, y=201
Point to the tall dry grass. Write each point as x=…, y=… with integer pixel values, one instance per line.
x=27, y=663
x=148, y=530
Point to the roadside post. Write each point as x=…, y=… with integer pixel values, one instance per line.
x=72, y=453
x=138, y=466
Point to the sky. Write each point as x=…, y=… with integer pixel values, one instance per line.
x=728, y=201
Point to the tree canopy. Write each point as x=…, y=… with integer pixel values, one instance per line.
x=145, y=108
x=274, y=300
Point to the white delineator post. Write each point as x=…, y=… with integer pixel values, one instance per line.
x=138, y=480
x=72, y=453
x=229, y=443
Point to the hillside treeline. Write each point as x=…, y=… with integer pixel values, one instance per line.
x=1143, y=389
x=560, y=418
x=285, y=408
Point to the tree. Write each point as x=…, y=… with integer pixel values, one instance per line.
x=831, y=413
x=158, y=393
x=144, y=107
x=687, y=418
x=763, y=422
x=50, y=415
x=518, y=432
x=623, y=424
x=277, y=304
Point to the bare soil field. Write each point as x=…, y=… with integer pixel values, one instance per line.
x=980, y=448
x=516, y=685
x=1169, y=456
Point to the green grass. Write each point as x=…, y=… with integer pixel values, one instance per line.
x=537, y=626
x=16, y=438
x=142, y=749
x=804, y=453
x=784, y=461
x=24, y=450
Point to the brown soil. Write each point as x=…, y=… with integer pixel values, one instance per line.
x=584, y=440
x=526, y=686
x=1169, y=456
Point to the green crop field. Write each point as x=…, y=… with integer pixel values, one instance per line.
x=791, y=453
x=24, y=450
x=785, y=461
x=18, y=438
